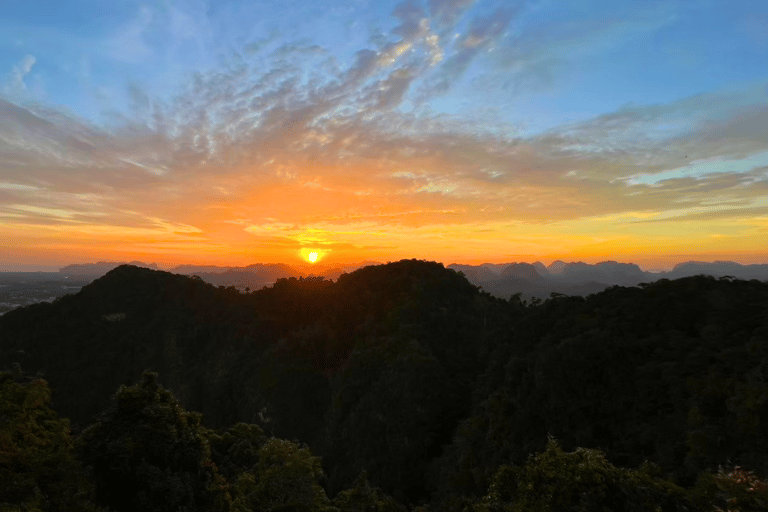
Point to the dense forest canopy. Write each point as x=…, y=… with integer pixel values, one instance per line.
x=396, y=385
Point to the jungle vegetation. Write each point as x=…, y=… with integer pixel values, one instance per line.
x=396, y=387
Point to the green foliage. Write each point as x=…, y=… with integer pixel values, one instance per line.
x=236, y=451
x=285, y=478
x=38, y=470
x=147, y=453
x=674, y=373
x=583, y=481
x=393, y=415
x=363, y=497
x=404, y=370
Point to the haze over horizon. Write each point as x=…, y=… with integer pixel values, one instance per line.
x=460, y=131
x=318, y=268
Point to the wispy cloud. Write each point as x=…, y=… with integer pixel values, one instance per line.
x=282, y=145
x=448, y=11
x=541, y=53
x=129, y=43
x=16, y=83
x=483, y=32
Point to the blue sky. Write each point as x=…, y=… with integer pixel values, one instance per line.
x=543, y=64
x=523, y=101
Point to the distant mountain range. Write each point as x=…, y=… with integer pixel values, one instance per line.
x=579, y=278
x=500, y=279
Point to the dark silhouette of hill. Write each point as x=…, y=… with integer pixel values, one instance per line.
x=410, y=372
x=644, y=373
x=281, y=356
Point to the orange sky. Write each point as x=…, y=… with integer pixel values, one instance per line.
x=441, y=136
x=397, y=204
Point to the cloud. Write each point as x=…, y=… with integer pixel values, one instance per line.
x=16, y=83
x=737, y=213
x=414, y=33
x=389, y=92
x=357, y=143
x=448, y=11
x=541, y=52
x=483, y=32
x=725, y=124
x=293, y=148
x=129, y=44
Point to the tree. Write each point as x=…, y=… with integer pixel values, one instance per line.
x=285, y=478
x=147, y=453
x=38, y=470
x=365, y=498
x=582, y=480
x=236, y=451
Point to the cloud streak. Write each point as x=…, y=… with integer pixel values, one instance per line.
x=274, y=151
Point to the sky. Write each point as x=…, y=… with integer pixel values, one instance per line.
x=461, y=131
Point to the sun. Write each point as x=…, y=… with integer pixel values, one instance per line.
x=312, y=254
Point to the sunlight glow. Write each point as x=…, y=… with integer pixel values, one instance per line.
x=312, y=255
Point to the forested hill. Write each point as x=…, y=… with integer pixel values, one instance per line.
x=410, y=372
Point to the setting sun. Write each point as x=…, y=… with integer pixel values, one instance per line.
x=444, y=130
x=312, y=257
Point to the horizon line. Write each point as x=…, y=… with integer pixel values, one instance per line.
x=304, y=265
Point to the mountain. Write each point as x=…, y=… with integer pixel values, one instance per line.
x=537, y=280
x=475, y=274
x=280, y=356
x=253, y=276
x=410, y=373
x=579, y=278
x=496, y=268
x=556, y=267
x=524, y=271
x=609, y=272
x=198, y=269
x=719, y=269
